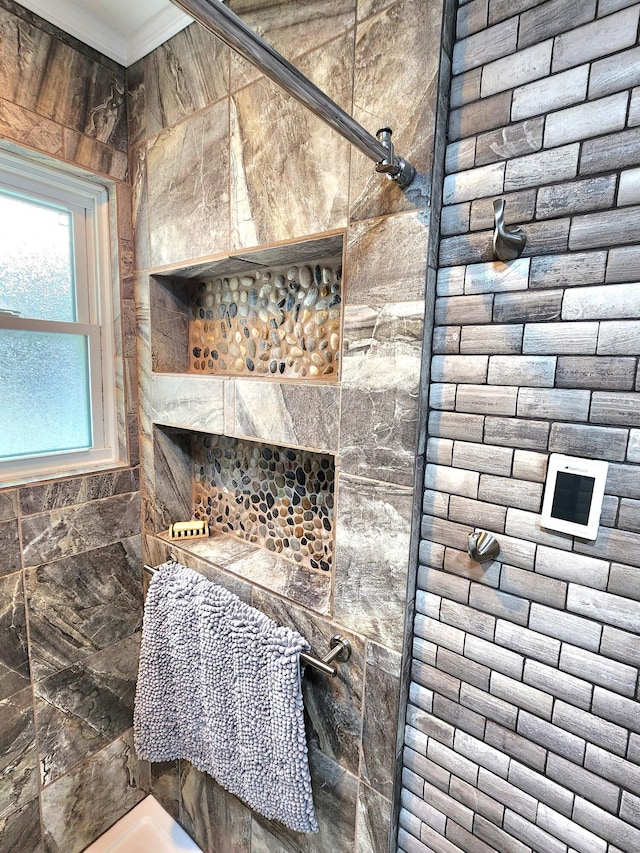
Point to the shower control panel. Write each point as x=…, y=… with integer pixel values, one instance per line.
x=573, y=495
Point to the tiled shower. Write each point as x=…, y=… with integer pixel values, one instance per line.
x=521, y=679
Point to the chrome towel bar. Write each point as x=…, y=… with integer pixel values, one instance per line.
x=340, y=648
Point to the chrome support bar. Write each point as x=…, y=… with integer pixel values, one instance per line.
x=340, y=648
x=214, y=16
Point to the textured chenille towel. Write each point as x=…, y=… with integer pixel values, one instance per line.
x=219, y=685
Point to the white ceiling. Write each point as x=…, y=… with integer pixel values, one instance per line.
x=124, y=30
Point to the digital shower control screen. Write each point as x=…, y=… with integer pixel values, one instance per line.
x=573, y=495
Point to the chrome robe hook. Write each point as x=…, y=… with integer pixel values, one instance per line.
x=508, y=243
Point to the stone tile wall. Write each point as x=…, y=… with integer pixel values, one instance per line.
x=523, y=721
x=70, y=579
x=223, y=163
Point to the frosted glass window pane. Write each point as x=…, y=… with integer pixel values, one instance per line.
x=36, y=260
x=44, y=393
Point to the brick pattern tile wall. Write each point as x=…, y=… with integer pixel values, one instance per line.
x=523, y=722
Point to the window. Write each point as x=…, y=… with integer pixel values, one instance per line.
x=57, y=378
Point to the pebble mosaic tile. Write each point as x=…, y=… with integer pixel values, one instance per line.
x=274, y=497
x=283, y=321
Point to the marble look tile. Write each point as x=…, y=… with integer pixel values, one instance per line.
x=380, y=722
x=390, y=46
x=8, y=504
x=140, y=206
x=14, y=657
x=82, y=604
x=173, y=472
x=387, y=256
x=63, y=532
x=169, y=311
x=84, y=803
x=9, y=548
x=366, y=8
x=53, y=495
x=30, y=129
x=291, y=28
x=372, y=554
x=111, y=483
x=136, y=102
x=218, y=821
x=187, y=171
x=20, y=831
x=94, y=155
x=35, y=67
x=302, y=414
x=380, y=389
x=300, y=160
x=165, y=786
x=18, y=758
x=374, y=822
x=333, y=705
x=79, y=710
x=183, y=75
x=335, y=792
x=193, y=402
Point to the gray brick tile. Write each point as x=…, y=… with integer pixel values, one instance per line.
x=581, y=781
x=576, y=197
x=575, y=836
x=624, y=580
x=634, y=108
x=491, y=339
x=453, y=761
x=501, y=9
x=556, y=404
x=433, y=679
x=482, y=754
x=464, y=309
x=485, y=46
x=460, y=155
x=516, y=432
x=606, y=7
x=411, y=781
x=440, y=451
x=489, y=400
x=499, y=604
x=630, y=809
x=423, y=811
x=592, y=728
x=536, y=371
x=528, y=465
x=605, y=229
x=471, y=18
x=596, y=373
x=623, y=481
x=623, y=264
x=629, y=187
x=420, y=699
x=551, y=93
x=431, y=554
x=442, y=397
x=560, y=338
x=542, y=788
x=619, y=338
x=614, y=73
x=446, y=339
x=408, y=844
x=527, y=525
x=416, y=741
x=479, y=116
x=450, y=281
x=551, y=737
x=608, y=35
x=456, y=425
x=582, y=121
x=578, y=268
x=510, y=492
x=461, y=718
x=615, y=151
x=498, y=838
x=533, y=835
x=616, y=708
x=549, y=237
x=533, y=586
x=559, y=684
x=466, y=249
x=465, y=87
x=514, y=140
x=572, y=567
x=518, y=68
x=517, y=551
x=521, y=748
x=455, y=219
x=459, y=368
x=614, y=676
x=633, y=451
x=454, y=480
x=464, y=669
x=549, y=19
x=469, y=511
x=603, y=302
x=448, y=806
x=544, y=167
x=447, y=586
x=566, y=626
x=612, y=609
x=424, y=652
x=612, y=767
x=599, y=443
x=519, y=208
x=468, y=619
x=522, y=695
x=435, y=503
x=494, y=278
x=464, y=840
x=482, y=181
x=499, y=659
x=616, y=545
x=606, y=825
x=491, y=707
x=509, y=795
x=529, y=307
x=485, y=458
x=476, y=800
x=633, y=753
x=437, y=632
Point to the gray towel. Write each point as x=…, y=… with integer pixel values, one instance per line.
x=219, y=685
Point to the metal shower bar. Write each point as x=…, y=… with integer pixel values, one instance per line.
x=229, y=28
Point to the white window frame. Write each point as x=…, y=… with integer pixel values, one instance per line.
x=88, y=203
